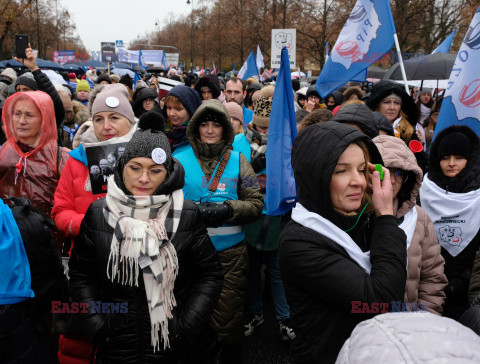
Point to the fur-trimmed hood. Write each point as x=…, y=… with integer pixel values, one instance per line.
x=384, y=89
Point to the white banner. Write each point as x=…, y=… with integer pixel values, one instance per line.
x=283, y=38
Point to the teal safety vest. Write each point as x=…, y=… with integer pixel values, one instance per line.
x=241, y=144
x=196, y=188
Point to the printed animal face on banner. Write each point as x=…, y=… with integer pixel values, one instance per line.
x=356, y=36
x=283, y=40
x=451, y=235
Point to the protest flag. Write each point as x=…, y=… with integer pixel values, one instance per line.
x=165, y=64
x=281, y=188
x=259, y=59
x=249, y=68
x=141, y=60
x=214, y=71
x=365, y=38
x=444, y=47
x=461, y=103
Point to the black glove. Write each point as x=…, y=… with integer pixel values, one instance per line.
x=214, y=214
x=259, y=163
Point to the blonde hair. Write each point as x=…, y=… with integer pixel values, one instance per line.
x=405, y=129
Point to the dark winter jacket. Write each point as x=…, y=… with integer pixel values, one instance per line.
x=321, y=280
x=25, y=326
x=458, y=269
x=210, y=81
x=126, y=337
x=139, y=96
x=359, y=115
x=382, y=123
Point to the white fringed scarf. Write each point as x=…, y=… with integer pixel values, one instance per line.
x=143, y=229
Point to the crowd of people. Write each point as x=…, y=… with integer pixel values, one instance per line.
x=155, y=197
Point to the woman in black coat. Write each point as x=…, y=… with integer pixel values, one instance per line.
x=145, y=253
x=450, y=194
x=339, y=264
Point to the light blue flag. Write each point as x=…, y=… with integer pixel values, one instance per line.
x=281, y=188
x=365, y=38
x=461, y=103
x=249, y=68
x=141, y=60
x=165, y=64
x=444, y=47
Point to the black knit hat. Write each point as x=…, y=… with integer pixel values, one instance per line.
x=147, y=143
x=28, y=80
x=455, y=144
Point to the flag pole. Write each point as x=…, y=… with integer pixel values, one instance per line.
x=399, y=54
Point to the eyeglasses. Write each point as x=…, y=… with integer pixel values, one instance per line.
x=154, y=173
x=397, y=172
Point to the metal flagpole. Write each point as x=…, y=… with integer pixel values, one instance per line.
x=399, y=54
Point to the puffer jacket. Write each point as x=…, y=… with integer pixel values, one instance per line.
x=410, y=338
x=360, y=115
x=228, y=318
x=126, y=337
x=321, y=280
x=425, y=277
x=35, y=174
x=74, y=193
x=458, y=269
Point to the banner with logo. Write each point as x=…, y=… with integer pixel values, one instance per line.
x=64, y=56
x=365, y=38
x=462, y=98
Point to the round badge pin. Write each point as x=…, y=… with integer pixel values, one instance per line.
x=112, y=101
x=159, y=156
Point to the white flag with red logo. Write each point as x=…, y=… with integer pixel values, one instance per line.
x=461, y=103
x=365, y=38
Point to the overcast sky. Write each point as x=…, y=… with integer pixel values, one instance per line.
x=110, y=20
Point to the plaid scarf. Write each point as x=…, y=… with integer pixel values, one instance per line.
x=258, y=142
x=143, y=229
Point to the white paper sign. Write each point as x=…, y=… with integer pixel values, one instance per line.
x=283, y=38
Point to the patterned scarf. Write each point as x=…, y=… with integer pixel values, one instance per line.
x=143, y=229
x=258, y=142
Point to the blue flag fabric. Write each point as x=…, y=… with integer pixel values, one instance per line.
x=15, y=285
x=281, y=187
x=249, y=68
x=444, y=47
x=165, y=64
x=461, y=103
x=141, y=62
x=365, y=38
